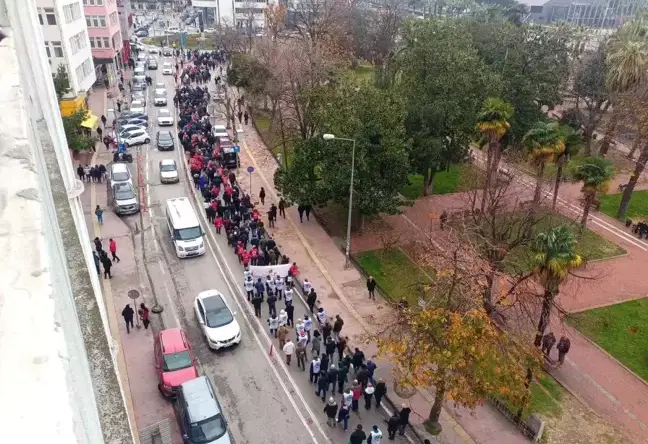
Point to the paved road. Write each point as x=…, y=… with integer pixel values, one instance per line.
x=264, y=400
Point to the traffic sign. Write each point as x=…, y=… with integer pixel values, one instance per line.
x=250, y=169
x=237, y=149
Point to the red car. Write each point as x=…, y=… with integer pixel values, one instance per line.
x=174, y=360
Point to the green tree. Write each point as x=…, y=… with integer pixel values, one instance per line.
x=533, y=62
x=248, y=73
x=61, y=82
x=544, y=143
x=573, y=141
x=591, y=87
x=493, y=123
x=627, y=59
x=76, y=135
x=596, y=174
x=320, y=170
x=444, y=84
x=554, y=257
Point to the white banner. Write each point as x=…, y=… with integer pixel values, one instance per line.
x=272, y=270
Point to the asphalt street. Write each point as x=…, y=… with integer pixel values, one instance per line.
x=264, y=400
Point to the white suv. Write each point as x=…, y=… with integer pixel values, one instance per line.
x=167, y=69
x=136, y=137
x=165, y=118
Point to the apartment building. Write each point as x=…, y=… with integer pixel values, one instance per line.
x=106, y=41
x=245, y=14
x=66, y=41
x=124, y=11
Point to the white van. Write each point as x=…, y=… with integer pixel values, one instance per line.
x=186, y=233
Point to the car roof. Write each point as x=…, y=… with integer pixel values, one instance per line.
x=212, y=300
x=172, y=340
x=164, y=111
x=119, y=185
x=119, y=167
x=200, y=399
x=167, y=162
x=165, y=133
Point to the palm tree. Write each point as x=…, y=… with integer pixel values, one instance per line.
x=544, y=143
x=627, y=60
x=573, y=141
x=493, y=123
x=554, y=258
x=595, y=173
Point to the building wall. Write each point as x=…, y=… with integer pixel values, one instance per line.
x=124, y=12
x=102, y=19
x=233, y=13
x=66, y=40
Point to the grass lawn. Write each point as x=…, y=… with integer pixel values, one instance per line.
x=638, y=204
x=458, y=178
x=621, y=330
x=364, y=73
x=590, y=245
x=546, y=398
x=395, y=273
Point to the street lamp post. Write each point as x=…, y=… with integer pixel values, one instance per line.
x=348, y=238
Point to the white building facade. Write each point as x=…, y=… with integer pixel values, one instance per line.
x=66, y=42
x=240, y=14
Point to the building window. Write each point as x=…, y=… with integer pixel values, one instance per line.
x=96, y=21
x=58, y=49
x=40, y=16
x=50, y=16
x=47, y=50
x=78, y=41
x=84, y=70
x=100, y=42
x=71, y=12
x=106, y=42
x=113, y=18
x=93, y=2
x=249, y=10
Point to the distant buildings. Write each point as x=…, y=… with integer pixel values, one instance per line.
x=67, y=41
x=106, y=39
x=238, y=14
x=601, y=14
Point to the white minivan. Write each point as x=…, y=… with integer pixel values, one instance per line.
x=186, y=232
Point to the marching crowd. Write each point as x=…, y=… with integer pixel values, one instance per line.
x=318, y=343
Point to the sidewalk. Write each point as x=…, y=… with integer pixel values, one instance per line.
x=135, y=349
x=343, y=292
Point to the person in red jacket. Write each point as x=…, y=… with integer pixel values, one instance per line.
x=245, y=258
x=255, y=214
x=356, y=391
x=218, y=223
x=294, y=269
x=214, y=192
x=254, y=255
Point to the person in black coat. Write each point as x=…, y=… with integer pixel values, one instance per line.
x=371, y=287
x=128, y=313
x=311, y=299
x=392, y=425
x=331, y=409
x=358, y=436
x=381, y=390
x=403, y=419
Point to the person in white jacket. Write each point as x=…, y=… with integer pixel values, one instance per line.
x=375, y=435
x=288, y=349
x=308, y=326
x=279, y=285
x=307, y=286
x=321, y=316
x=288, y=293
x=249, y=287
x=273, y=324
x=283, y=317
x=368, y=395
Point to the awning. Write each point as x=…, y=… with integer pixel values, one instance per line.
x=92, y=122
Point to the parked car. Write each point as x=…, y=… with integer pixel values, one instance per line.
x=175, y=362
x=130, y=127
x=119, y=173
x=124, y=200
x=173, y=30
x=128, y=115
x=137, y=137
x=216, y=320
x=199, y=413
x=167, y=69
x=139, y=95
x=165, y=118
x=142, y=33
x=152, y=64
x=165, y=140
x=138, y=106
x=169, y=171
x=139, y=86
x=138, y=121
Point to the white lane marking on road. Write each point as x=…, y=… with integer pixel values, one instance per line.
x=161, y=268
x=173, y=310
x=262, y=328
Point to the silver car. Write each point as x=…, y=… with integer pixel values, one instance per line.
x=169, y=171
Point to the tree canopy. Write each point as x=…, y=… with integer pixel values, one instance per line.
x=61, y=82
x=76, y=137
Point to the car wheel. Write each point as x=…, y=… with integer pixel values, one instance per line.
x=147, y=140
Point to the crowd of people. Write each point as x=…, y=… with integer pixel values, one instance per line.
x=318, y=344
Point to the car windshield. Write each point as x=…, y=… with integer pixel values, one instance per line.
x=218, y=317
x=124, y=193
x=208, y=430
x=164, y=137
x=177, y=361
x=121, y=176
x=187, y=233
x=165, y=113
x=166, y=168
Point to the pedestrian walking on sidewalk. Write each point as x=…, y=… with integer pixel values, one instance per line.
x=107, y=263
x=337, y=327
x=356, y=391
x=144, y=315
x=311, y=299
x=343, y=416
x=301, y=354
x=341, y=346
x=80, y=173
x=262, y=196
x=371, y=287
x=246, y=117
x=240, y=116
x=288, y=349
x=375, y=435
x=392, y=425
x=358, y=436
x=282, y=207
x=564, y=344
x=307, y=210
x=404, y=415
x=314, y=371
x=381, y=390
x=103, y=120
x=548, y=342
x=300, y=210
x=99, y=214
x=331, y=409
x=97, y=261
x=98, y=245
x=112, y=246
x=128, y=314
x=368, y=395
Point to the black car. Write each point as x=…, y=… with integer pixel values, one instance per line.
x=128, y=115
x=140, y=122
x=165, y=141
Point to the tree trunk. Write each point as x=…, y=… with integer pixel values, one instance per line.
x=587, y=136
x=435, y=410
x=610, y=132
x=487, y=300
x=490, y=158
x=547, y=302
x=587, y=205
x=537, y=195
x=627, y=193
x=559, y=172
x=635, y=146
x=428, y=182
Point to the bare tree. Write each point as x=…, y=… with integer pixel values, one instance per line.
x=275, y=19
x=319, y=19
x=229, y=38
